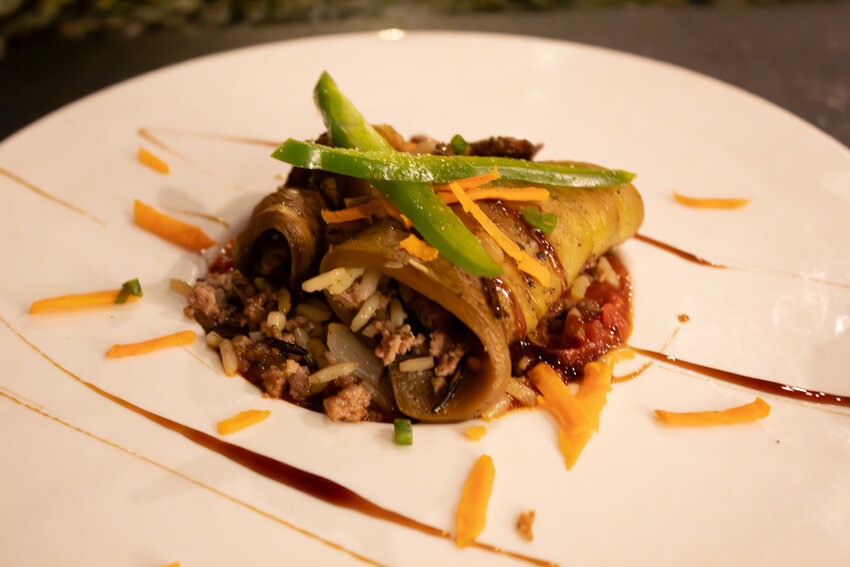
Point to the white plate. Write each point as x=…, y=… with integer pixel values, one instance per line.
x=775, y=492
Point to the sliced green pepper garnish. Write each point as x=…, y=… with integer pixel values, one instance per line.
x=403, y=432
x=459, y=145
x=132, y=287
x=434, y=220
x=389, y=165
x=546, y=223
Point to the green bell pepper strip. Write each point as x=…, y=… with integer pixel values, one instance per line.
x=434, y=220
x=390, y=165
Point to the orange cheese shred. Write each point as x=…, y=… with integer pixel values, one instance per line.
x=753, y=411
x=578, y=414
x=476, y=432
x=363, y=211
x=379, y=207
x=472, y=509
x=166, y=227
x=153, y=162
x=503, y=193
x=177, y=339
x=241, y=420
x=709, y=203
x=78, y=301
x=558, y=399
x=478, y=180
x=524, y=262
x=419, y=248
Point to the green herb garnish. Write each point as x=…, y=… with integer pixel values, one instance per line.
x=459, y=145
x=546, y=223
x=132, y=287
x=403, y=432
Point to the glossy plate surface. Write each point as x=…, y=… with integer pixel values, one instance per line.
x=132, y=493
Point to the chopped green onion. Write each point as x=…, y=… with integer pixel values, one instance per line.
x=546, y=223
x=459, y=145
x=403, y=432
x=132, y=287
x=387, y=165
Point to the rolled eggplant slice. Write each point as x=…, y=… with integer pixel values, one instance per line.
x=494, y=311
x=458, y=292
x=283, y=241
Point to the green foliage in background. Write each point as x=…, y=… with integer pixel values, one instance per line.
x=79, y=18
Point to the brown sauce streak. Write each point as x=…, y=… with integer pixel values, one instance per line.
x=500, y=290
x=767, y=386
x=631, y=375
x=147, y=133
x=278, y=471
x=198, y=483
x=703, y=262
x=48, y=196
x=677, y=251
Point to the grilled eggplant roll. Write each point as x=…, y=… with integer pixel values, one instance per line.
x=284, y=238
x=483, y=316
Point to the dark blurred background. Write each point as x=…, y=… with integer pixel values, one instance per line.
x=794, y=53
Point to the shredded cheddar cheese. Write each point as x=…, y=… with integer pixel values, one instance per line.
x=78, y=301
x=241, y=420
x=709, y=203
x=153, y=162
x=472, y=509
x=558, y=399
x=177, y=339
x=379, y=207
x=524, y=262
x=502, y=193
x=419, y=248
x=478, y=180
x=476, y=432
x=752, y=411
x=166, y=227
x=578, y=414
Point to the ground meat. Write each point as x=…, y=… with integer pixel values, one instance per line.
x=350, y=298
x=290, y=373
x=395, y=341
x=215, y=301
x=273, y=332
x=523, y=525
x=296, y=374
x=208, y=305
x=437, y=343
x=449, y=360
x=257, y=307
x=273, y=381
x=503, y=146
x=448, y=355
x=349, y=404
